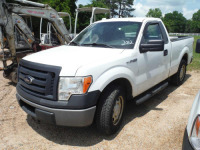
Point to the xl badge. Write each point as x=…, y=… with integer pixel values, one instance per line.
x=28, y=79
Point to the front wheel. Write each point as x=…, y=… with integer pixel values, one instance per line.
x=179, y=77
x=110, y=110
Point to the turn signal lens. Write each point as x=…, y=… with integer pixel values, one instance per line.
x=195, y=137
x=197, y=125
x=86, y=83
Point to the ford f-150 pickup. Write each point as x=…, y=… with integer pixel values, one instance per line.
x=109, y=62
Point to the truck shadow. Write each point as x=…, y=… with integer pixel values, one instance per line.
x=89, y=136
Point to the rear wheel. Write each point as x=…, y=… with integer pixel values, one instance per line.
x=110, y=110
x=179, y=77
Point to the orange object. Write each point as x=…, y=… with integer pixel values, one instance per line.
x=30, y=41
x=197, y=125
x=86, y=83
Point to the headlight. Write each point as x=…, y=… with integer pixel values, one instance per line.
x=195, y=136
x=73, y=85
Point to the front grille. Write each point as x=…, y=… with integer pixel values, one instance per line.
x=44, y=79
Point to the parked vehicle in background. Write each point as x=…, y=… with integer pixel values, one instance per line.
x=191, y=140
x=108, y=63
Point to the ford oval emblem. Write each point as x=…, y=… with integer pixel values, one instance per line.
x=28, y=79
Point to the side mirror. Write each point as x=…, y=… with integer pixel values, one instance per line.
x=152, y=46
x=198, y=46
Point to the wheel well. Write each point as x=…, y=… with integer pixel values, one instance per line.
x=125, y=84
x=185, y=57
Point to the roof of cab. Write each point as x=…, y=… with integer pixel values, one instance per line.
x=134, y=19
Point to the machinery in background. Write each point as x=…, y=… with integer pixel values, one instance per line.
x=49, y=39
x=18, y=39
x=12, y=56
x=24, y=37
x=94, y=11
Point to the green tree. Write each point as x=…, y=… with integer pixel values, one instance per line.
x=125, y=8
x=192, y=26
x=112, y=4
x=196, y=22
x=84, y=17
x=196, y=16
x=175, y=22
x=64, y=6
x=120, y=8
x=68, y=6
x=156, y=13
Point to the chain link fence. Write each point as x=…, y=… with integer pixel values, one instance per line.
x=185, y=34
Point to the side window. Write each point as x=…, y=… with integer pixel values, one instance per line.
x=153, y=32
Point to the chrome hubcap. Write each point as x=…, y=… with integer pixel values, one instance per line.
x=182, y=72
x=118, y=110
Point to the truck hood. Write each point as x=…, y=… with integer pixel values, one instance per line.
x=70, y=58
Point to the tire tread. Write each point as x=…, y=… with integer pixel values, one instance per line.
x=104, y=109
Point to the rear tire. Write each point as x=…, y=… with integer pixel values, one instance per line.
x=179, y=77
x=110, y=110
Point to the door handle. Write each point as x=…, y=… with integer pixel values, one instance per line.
x=165, y=52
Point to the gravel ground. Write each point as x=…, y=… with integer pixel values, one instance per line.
x=156, y=124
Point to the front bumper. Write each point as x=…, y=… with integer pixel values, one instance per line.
x=63, y=117
x=186, y=143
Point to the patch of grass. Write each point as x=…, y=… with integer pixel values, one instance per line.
x=195, y=65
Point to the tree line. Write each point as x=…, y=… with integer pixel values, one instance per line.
x=175, y=22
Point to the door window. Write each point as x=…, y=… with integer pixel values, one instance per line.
x=153, y=32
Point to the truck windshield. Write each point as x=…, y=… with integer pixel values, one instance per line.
x=109, y=34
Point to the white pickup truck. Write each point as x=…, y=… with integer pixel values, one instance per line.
x=109, y=62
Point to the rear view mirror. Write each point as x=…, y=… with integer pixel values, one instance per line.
x=198, y=46
x=152, y=46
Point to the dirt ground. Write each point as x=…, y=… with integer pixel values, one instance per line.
x=157, y=124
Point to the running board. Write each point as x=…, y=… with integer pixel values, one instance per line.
x=151, y=93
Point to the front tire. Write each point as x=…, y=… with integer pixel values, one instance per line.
x=110, y=110
x=179, y=77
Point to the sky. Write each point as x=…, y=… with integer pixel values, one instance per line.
x=187, y=7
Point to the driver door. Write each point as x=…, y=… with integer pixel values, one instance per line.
x=153, y=66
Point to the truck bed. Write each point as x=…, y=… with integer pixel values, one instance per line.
x=178, y=38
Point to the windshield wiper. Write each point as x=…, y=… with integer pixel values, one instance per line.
x=98, y=44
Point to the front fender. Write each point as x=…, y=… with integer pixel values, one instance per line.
x=112, y=74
